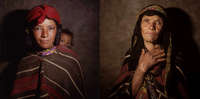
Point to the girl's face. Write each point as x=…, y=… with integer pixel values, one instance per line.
x=45, y=33
x=151, y=27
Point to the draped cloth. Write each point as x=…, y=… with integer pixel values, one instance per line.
x=163, y=81
x=160, y=82
x=54, y=76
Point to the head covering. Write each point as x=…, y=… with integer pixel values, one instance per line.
x=36, y=16
x=41, y=12
x=154, y=7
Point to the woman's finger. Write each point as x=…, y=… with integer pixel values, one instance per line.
x=157, y=52
x=159, y=56
x=160, y=60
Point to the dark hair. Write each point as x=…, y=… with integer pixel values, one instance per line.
x=68, y=32
x=136, y=48
x=32, y=44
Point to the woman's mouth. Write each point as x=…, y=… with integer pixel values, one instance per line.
x=44, y=41
x=150, y=33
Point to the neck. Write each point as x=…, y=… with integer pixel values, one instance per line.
x=150, y=45
x=40, y=49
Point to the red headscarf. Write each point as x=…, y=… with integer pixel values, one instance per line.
x=41, y=12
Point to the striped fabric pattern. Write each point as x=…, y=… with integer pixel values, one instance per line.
x=55, y=76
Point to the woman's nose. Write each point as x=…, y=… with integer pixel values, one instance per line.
x=152, y=26
x=44, y=33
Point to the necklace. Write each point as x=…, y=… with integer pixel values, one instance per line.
x=47, y=51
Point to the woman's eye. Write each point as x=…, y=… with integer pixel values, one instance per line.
x=37, y=28
x=158, y=22
x=51, y=28
x=146, y=20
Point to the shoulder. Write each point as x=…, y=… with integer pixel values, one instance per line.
x=66, y=57
x=67, y=54
x=130, y=61
x=67, y=51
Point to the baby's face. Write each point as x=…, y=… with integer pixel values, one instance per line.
x=66, y=40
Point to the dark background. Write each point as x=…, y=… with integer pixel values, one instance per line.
x=79, y=16
x=117, y=21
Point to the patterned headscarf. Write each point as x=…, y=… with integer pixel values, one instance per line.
x=157, y=8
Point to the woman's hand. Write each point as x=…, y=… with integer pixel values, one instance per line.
x=150, y=58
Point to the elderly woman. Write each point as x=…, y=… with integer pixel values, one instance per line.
x=149, y=70
x=48, y=71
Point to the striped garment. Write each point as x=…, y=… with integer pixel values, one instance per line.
x=55, y=76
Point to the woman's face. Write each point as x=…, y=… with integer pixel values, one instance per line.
x=151, y=27
x=45, y=33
